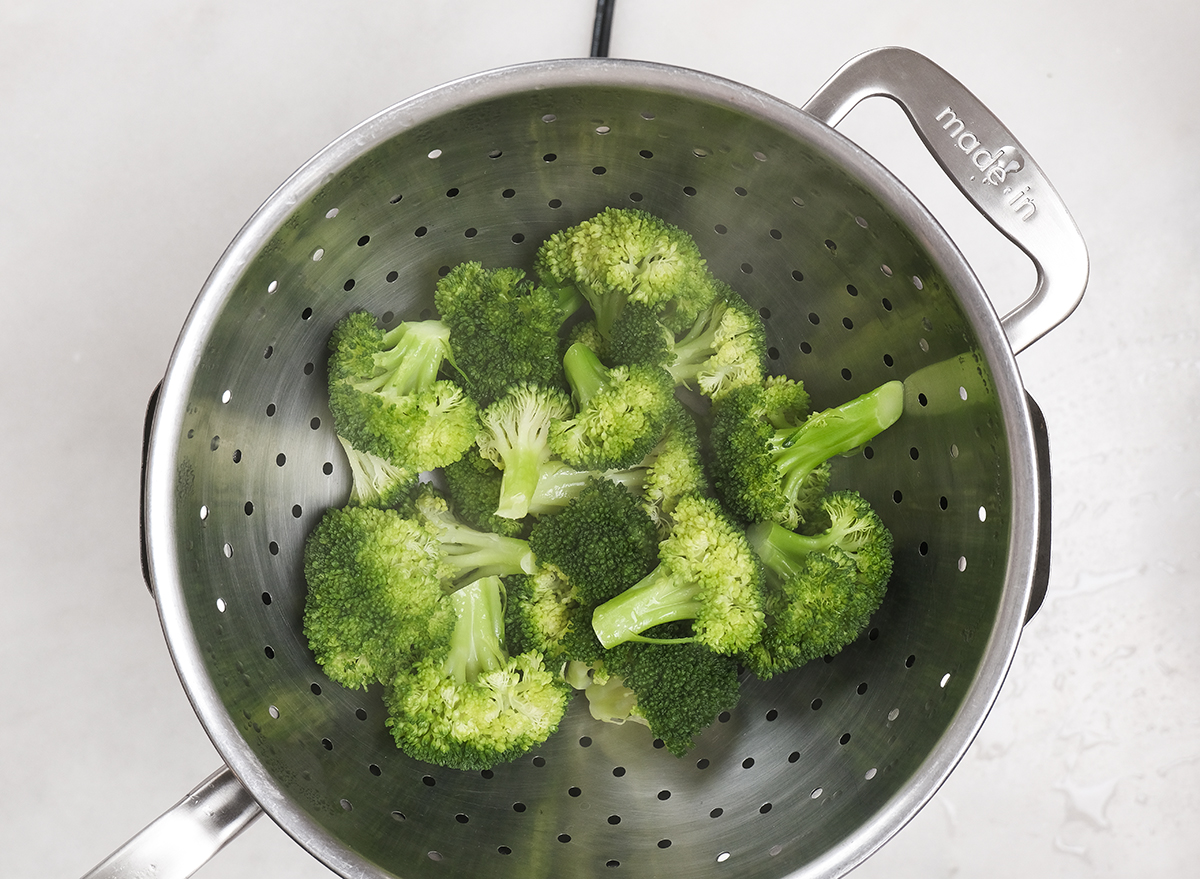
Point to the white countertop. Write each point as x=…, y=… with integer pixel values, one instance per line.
x=137, y=137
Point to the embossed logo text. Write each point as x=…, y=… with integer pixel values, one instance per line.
x=994, y=166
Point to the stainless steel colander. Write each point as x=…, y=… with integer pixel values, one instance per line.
x=858, y=284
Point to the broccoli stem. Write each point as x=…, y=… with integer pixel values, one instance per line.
x=586, y=375
x=659, y=597
x=410, y=359
x=783, y=550
x=799, y=451
x=477, y=642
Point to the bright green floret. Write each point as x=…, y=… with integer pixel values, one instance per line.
x=468, y=553
x=707, y=574
x=620, y=413
x=504, y=328
x=822, y=588
x=386, y=397
x=600, y=543
x=375, y=594
x=473, y=486
x=515, y=436
x=679, y=688
x=375, y=481
x=627, y=255
x=537, y=611
x=473, y=705
x=725, y=347
x=770, y=459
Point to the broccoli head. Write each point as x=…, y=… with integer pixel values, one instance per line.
x=473, y=705
x=515, y=436
x=770, y=458
x=725, y=346
x=375, y=481
x=386, y=397
x=374, y=596
x=822, y=588
x=537, y=611
x=473, y=486
x=627, y=255
x=707, y=575
x=504, y=328
x=620, y=413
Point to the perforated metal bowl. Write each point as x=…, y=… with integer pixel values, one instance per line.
x=858, y=284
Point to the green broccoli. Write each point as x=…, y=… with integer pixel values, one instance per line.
x=627, y=255
x=679, y=688
x=376, y=482
x=620, y=413
x=473, y=486
x=707, y=574
x=467, y=553
x=601, y=543
x=375, y=592
x=670, y=471
x=770, y=461
x=472, y=704
x=724, y=348
x=822, y=588
x=386, y=397
x=515, y=436
x=537, y=611
x=503, y=328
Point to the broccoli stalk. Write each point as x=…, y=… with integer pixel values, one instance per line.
x=515, y=436
x=474, y=705
x=620, y=413
x=707, y=575
x=466, y=552
x=822, y=588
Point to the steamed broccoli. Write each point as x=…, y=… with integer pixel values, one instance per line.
x=822, y=588
x=679, y=688
x=769, y=461
x=376, y=482
x=537, y=611
x=707, y=574
x=515, y=436
x=472, y=704
x=473, y=486
x=386, y=397
x=503, y=328
x=725, y=347
x=620, y=413
x=627, y=255
x=601, y=543
x=374, y=593
x=466, y=553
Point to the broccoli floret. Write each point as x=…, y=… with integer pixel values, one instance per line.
x=473, y=705
x=376, y=482
x=468, y=553
x=707, y=574
x=473, y=485
x=627, y=255
x=386, y=397
x=602, y=542
x=724, y=348
x=503, y=328
x=374, y=596
x=620, y=413
x=770, y=463
x=515, y=436
x=679, y=688
x=822, y=588
x=537, y=611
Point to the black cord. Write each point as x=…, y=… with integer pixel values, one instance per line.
x=602, y=29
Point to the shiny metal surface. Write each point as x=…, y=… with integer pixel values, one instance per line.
x=814, y=770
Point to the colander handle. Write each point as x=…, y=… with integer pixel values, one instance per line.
x=181, y=840
x=987, y=164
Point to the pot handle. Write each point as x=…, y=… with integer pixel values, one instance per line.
x=1041, y=559
x=181, y=840
x=987, y=164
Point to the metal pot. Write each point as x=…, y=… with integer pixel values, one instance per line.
x=859, y=284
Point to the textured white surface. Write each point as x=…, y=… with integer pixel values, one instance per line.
x=137, y=136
